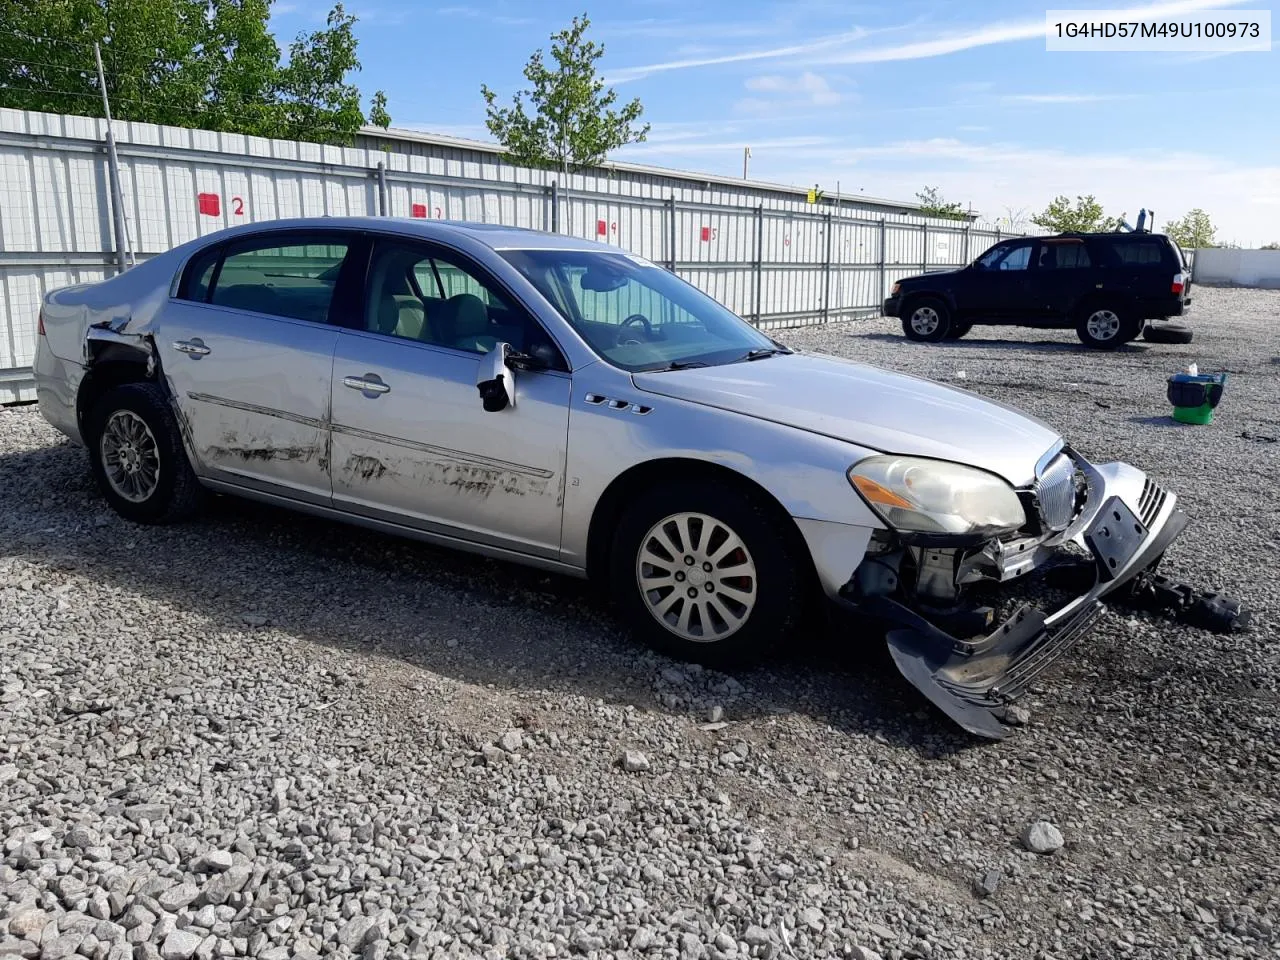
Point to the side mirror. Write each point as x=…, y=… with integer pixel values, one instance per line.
x=495, y=379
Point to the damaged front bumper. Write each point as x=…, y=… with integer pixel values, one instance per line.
x=1126, y=523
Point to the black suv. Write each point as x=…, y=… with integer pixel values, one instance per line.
x=1106, y=285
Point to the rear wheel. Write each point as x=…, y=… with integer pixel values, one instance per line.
x=135, y=450
x=926, y=320
x=705, y=574
x=1105, y=326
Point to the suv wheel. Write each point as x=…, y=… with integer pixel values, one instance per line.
x=926, y=320
x=705, y=574
x=135, y=449
x=1105, y=326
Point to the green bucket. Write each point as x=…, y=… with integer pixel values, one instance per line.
x=1194, y=396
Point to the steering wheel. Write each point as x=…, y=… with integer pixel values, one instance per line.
x=636, y=318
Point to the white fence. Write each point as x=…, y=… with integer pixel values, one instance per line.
x=759, y=249
x=1237, y=268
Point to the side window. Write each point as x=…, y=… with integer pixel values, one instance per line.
x=1006, y=257
x=283, y=278
x=430, y=297
x=1139, y=252
x=1068, y=255
x=1018, y=258
x=198, y=278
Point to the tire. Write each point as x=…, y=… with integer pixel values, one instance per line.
x=1167, y=333
x=133, y=426
x=1105, y=326
x=958, y=330
x=702, y=513
x=926, y=320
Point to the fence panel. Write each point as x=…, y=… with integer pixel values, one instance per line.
x=767, y=255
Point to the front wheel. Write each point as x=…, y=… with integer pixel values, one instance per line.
x=135, y=449
x=1105, y=326
x=926, y=320
x=704, y=573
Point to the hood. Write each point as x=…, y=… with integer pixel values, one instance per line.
x=933, y=275
x=870, y=407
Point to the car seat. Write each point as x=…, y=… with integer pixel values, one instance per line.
x=464, y=324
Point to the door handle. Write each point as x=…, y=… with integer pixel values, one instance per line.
x=369, y=383
x=194, y=347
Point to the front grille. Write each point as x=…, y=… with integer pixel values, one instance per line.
x=1149, y=504
x=1055, y=491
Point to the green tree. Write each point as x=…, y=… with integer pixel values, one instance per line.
x=1273, y=245
x=205, y=63
x=570, y=121
x=1194, y=231
x=1085, y=216
x=930, y=203
x=378, y=116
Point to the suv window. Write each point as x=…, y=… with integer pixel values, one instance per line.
x=1015, y=256
x=421, y=294
x=281, y=277
x=1063, y=255
x=1139, y=251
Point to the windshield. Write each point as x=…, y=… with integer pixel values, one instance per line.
x=635, y=314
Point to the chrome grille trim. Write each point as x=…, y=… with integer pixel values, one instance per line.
x=1151, y=502
x=1055, y=491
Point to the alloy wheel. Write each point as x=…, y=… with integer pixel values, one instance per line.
x=697, y=577
x=130, y=456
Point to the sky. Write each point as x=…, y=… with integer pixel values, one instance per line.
x=879, y=98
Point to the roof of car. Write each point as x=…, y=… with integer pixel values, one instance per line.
x=492, y=235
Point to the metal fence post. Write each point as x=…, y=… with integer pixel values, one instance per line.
x=758, y=266
x=671, y=233
x=883, y=278
x=997, y=234
x=555, y=206
x=382, y=190
x=924, y=248
x=967, y=228
x=826, y=274
x=123, y=246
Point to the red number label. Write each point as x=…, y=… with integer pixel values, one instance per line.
x=614, y=226
x=237, y=206
x=786, y=241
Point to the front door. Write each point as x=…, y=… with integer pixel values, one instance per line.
x=247, y=348
x=412, y=442
x=1000, y=286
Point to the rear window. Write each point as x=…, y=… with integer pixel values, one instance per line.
x=1063, y=255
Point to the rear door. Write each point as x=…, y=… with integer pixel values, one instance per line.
x=247, y=349
x=1001, y=286
x=1063, y=274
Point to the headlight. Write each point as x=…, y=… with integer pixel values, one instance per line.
x=893, y=291
x=916, y=495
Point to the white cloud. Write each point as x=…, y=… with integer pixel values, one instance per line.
x=808, y=87
x=842, y=47
x=797, y=49
x=1067, y=97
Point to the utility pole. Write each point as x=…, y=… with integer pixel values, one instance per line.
x=746, y=155
x=123, y=247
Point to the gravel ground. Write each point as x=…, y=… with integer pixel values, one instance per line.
x=266, y=735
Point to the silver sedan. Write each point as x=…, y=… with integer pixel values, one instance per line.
x=564, y=404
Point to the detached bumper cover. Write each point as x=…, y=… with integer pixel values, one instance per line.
x=1128, y=524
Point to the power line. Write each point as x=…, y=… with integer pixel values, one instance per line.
x=44, y=63
x=79, y=44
